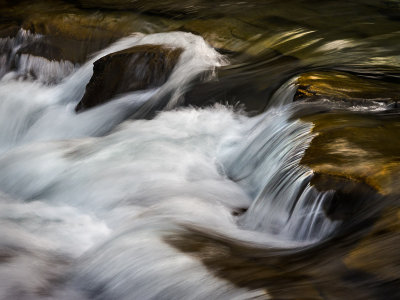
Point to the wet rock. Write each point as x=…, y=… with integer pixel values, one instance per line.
x=360, y=147
x=136, y=68
x=350, y=199
x=334, y=85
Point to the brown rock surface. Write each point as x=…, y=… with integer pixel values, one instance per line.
x=362, y=147
x=344, y=86
x=132, y=69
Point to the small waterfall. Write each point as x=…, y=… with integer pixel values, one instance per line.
x=10, y=46
x=43, y=70
x=284, y=94
x=18, y=65
x=266, y=162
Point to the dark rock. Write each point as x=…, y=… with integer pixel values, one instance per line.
x=133, y=69
x=350, y=199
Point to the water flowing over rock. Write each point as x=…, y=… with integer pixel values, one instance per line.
x=31, y=57
x=137, y=68
x=157, y=150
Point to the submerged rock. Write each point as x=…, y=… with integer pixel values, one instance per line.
x=137, y=68
x=336, y=85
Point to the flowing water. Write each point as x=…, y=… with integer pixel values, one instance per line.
x=151, y=197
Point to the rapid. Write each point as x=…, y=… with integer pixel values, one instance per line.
x=151, y=196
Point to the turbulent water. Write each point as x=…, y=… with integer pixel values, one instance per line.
x=91, y=199
x=147, y=198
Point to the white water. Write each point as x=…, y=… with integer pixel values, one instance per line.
x=30, y=67
x=84, y=215
x=47, y=112
x=266, y=162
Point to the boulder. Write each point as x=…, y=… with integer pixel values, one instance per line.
x=137, y=68
x=359, y=147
